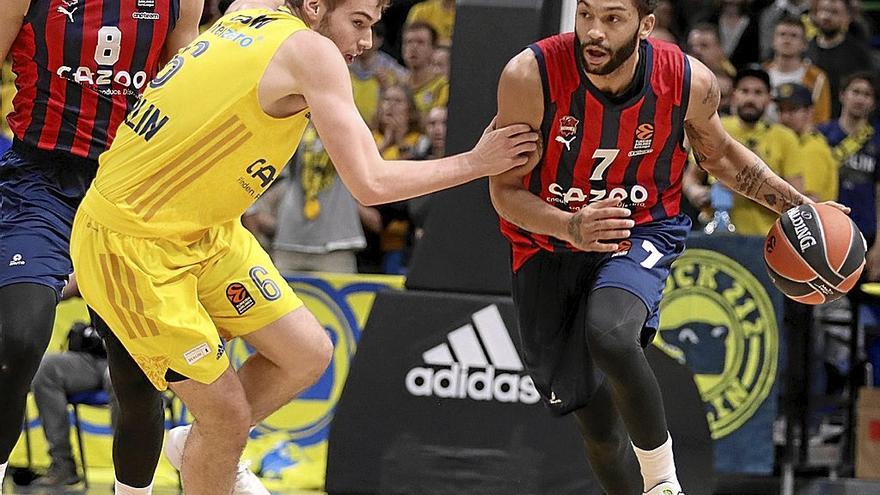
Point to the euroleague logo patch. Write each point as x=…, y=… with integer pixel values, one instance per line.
x=239, y=297
x=717, y=319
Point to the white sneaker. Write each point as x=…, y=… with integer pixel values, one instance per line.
x=666, y=488
x=246, y=482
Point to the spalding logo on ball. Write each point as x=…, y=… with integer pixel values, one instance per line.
x=814, y=253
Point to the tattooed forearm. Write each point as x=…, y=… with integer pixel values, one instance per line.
x=758, y=182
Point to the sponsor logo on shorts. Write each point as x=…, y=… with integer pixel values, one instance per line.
x=17, y=260
x=623, y=248
x=485, y=365
x=718, y=320
x=193, y=355
x=146, y=4
x=239, y=297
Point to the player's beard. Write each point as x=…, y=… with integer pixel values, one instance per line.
x=617, y=58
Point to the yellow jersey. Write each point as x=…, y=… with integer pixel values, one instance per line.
x=433, y=93
x=778, y=146
x=819, y=168
x=433, y=12
x=197, y=150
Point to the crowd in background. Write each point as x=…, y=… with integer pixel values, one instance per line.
x=797, y=83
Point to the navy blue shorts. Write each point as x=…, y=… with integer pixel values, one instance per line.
x=550, y=292
x=39, y=194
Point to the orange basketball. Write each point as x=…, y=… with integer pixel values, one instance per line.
x=814, y=253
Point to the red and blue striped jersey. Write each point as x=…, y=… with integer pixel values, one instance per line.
x=597, y=147
x=80, y=66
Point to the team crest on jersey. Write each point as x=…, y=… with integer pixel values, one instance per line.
x=644, y=140
x=567, y=130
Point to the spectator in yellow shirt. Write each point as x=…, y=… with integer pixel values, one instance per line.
x=819, y=168
x=775, y=144
x=372, y=72
x=429, y=89
x=439, y=14
x=789, y=65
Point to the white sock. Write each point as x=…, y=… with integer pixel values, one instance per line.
x=2, y=475
x=123, y=489
x=657, y=465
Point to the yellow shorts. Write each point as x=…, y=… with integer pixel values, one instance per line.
x=169, y=303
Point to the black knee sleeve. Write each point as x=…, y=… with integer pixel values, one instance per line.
x=614, y=327
x=140, y=418
x=615, y=322
x=27, y=314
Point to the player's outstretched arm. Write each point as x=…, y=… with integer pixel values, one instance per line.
x=320, y=75
x=726, y=159
x=186, y=29
x=11, y=18
x=521, y=100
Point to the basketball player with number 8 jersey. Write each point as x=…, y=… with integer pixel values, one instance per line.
x=80, y=66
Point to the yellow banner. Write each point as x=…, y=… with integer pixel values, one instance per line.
x=289, y=449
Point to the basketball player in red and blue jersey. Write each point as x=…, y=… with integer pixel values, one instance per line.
x=595, y=224
x=80, y=66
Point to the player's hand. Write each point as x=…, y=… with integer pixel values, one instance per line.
x=839, y=206
x=500, y=150
x=596, y=226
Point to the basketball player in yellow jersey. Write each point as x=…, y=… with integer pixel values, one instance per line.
x=158, y=246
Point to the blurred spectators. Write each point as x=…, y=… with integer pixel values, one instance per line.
x=835, y=49
x=774, y=143
x=795, y=104
x=372, y=72
x=738, y=32
x=81, y=368
x=428, y=88
x=725, y=85
x=789, y=66
x=703, y=43
x=312, y=219
x=440, y=61
x=7, y=91
x=419, y=208
x=398, y=135
x=439, y=14
x=665, y=27
x=856, y=146
x=769, y=20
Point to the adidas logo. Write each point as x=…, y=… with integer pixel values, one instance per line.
x=479, y=363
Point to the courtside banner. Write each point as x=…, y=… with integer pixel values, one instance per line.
x=438, y=401
x=288, y=449
x=720, y=316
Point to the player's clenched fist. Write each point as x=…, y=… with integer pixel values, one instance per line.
x=597, y=226
x=500, y=150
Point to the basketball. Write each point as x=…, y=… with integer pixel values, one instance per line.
x=814, y=253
